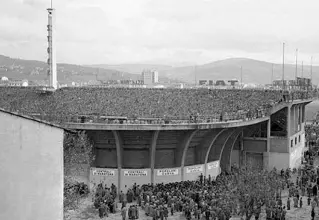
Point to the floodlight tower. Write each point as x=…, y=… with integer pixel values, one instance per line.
x=52, y=71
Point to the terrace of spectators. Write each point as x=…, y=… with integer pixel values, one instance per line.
x=144, y=106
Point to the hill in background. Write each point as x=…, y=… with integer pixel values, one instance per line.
x=254, y=71
x=32, y=70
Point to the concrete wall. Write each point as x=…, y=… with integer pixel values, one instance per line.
x=31, y=169
x=278, y=144
x=278, y=160
x=102, y=175
x=168, y=175
x=255, y=145
x=131, y=176
x=296, y=151
x=234, y=157
x=193, y=172
x=213, y=169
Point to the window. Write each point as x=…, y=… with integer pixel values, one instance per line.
x=299, y=138
x=295, y=140
x=292, y=143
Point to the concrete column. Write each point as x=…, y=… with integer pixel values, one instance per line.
x=119, y=155
x=294, y=119
x=184, y=146
x=288, y=128
x=205, y=145
x=266, y=154
x=268, y=134
x=241, y=152
x=225, y=155
x=216, y=148
x=153, y=153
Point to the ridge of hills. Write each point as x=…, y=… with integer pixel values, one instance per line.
x=33, y=70
x=253, y=71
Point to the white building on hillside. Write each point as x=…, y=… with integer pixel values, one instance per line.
x=150, y=77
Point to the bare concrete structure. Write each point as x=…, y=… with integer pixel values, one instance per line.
x=272, y=141
x=31, y=168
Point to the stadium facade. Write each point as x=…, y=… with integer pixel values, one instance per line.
x=162, y=153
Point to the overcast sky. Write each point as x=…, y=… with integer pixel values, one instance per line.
x=162, y=31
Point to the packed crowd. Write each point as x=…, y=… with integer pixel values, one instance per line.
x=228, y=195
x=306, y=184
x=166, y=104
x=205, y=198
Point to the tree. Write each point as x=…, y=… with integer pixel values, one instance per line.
x=78, y=151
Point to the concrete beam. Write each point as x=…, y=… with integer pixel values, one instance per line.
x=119, y=155
x=182, y=150
x=153, y=153
x=225, y=157
x=215, y=150
x=204, y=145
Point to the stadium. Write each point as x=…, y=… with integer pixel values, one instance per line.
x=207, y=150
x=167, y=135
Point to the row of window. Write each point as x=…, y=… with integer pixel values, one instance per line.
x=292, y=141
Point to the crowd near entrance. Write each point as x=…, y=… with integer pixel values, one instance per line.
x=242, y=193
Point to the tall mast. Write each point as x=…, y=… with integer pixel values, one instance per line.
x=283, y=65
x=52, y=71
x=241, y=76
x=311, y=71
x=272, y=74
x=296, y=70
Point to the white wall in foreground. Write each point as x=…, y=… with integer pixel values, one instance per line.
x=31, y=170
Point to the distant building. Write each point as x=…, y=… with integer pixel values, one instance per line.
x=150, y=77
x=220, y=83
x=233, y=82
x=203, y=82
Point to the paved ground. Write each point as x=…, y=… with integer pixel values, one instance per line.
x=87, y=211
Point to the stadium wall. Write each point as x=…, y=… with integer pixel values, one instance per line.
x=143, y=176
x=278, y=160
x=31, y=169
x=296, y=151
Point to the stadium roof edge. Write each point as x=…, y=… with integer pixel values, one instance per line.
x=36, y=120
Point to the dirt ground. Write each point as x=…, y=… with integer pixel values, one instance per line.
x=87, y=211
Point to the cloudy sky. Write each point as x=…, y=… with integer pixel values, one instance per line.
x=162, y=31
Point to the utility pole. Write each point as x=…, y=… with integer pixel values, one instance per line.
x=302, y=69
x=195, y=75
x=272, y=74
x=296, y=70
x=311, y=72
x=283, y=65
x=241, y=76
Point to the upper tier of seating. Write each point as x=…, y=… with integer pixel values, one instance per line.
x=138, y=102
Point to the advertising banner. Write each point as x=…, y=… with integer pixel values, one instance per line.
x=213, y=165
x=194, y=169
x=135, y=173
x=103, y=172
x=167, y=172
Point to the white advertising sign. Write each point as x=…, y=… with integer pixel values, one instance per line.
x=167, y=172
x=213, y=165
x=135, y=172
x=103, y=172
x=194, y=169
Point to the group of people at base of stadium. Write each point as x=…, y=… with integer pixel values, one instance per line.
x=206, y=199
x=306, y=184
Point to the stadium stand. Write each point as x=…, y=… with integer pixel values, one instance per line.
x=139, y=105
